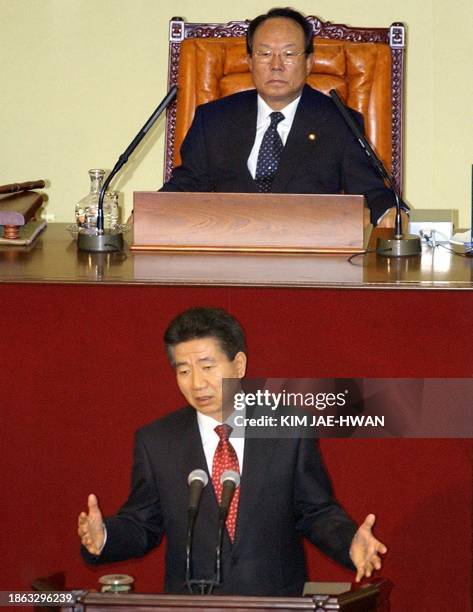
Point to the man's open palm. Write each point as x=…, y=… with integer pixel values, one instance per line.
x=365, y=549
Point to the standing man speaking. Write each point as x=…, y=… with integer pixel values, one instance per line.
x=284, y=495
x=281, y=137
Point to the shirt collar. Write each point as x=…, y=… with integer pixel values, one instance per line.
x=264, y=110
x=207, y=425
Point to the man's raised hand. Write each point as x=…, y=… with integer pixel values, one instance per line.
x=365, y=549
x=90, y=527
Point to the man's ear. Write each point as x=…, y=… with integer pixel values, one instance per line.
x=249, y=61
x=309, y=62
x=240, y=362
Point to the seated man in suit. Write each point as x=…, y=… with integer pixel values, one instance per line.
x=284, y=494
x=283, y=137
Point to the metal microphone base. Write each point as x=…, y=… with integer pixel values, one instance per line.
x=201, y=587
x=404, y=246
x=100, y=243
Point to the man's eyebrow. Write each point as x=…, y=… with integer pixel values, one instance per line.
x=289, y=44
x=180, y=364
x=186, y=363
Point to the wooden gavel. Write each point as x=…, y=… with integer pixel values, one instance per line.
x=15, y=187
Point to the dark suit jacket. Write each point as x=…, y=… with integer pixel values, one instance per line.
x=285, y=494
x=216, y=150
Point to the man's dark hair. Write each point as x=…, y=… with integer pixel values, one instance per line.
x=206, y=323
x=287, y=13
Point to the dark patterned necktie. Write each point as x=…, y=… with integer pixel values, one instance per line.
x=225, y=458
x=269, y=154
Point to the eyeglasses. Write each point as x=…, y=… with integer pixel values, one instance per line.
x=288, y=56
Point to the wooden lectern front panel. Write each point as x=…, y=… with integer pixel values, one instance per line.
x=248, y=222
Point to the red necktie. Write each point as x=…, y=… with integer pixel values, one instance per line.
x=225, y=458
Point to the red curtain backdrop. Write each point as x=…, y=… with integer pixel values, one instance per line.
x=82, y=367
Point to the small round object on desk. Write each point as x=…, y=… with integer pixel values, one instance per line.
x=116, y=583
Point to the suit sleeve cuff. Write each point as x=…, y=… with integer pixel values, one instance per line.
x=403, y=208
x=104, y=538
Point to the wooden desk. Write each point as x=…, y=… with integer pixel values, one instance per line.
x=370, y=597
x=83, y=367
x=54, y=259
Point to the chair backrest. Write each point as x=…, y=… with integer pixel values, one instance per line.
x=208, y=61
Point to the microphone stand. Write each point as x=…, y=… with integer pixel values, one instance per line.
x=190, y=533
x=218, y=552
x=401, y=245
x=206, y=586
x=107, y=240
x=195, y=586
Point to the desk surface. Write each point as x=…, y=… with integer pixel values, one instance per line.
x=54, y=258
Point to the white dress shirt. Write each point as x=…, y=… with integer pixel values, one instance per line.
x=263, y=121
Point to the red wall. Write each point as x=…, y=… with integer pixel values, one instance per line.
x=67, y=428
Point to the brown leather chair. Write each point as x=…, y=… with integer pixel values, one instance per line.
x=208, y=61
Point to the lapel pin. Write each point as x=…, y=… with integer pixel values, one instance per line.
x=312, y=137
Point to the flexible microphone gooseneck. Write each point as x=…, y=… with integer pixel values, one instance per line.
x=105, y=241
x=401, y=245
x=230, y=481
x=197, y=481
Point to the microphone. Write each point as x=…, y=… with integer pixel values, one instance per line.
x=400, y=246
x=196, y=480
x=230, y=481
x=105, y=241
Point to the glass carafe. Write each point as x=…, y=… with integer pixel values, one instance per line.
x=86, y=208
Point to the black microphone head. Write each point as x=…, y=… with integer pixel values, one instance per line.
x=230, y=475
x=198, y=475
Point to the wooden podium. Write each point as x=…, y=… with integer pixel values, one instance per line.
x=370, y=597
x=248, y=222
